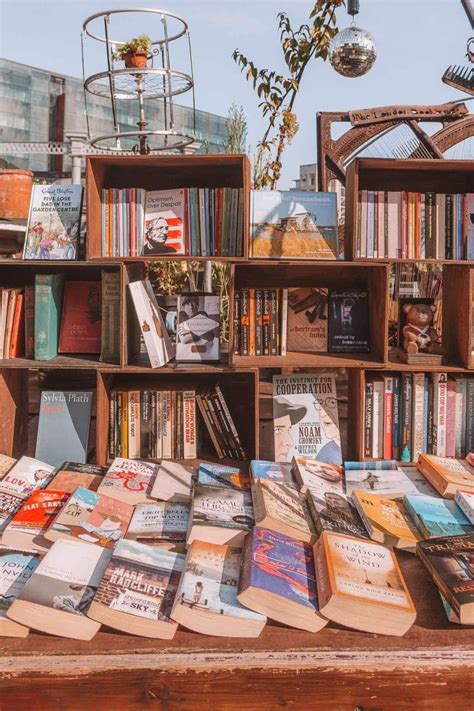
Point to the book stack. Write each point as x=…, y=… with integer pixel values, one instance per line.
x=55, y=317
x=198, y=222
x=407, y=225
x=276, y=321
x=411, y=413
x=163, y=424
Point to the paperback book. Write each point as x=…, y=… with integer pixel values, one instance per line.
x=392, y=483
x=81, y=322
x=15, y=571
x=317, y=476
x=26, y=530
x=282, y=509
x=161, y=524
x=447, y=475
x=173, y=482
x=220, y=515
x=465, y=501
x=129, y=480
x=437, y=517
x=273, y=471
x=307, y=319
x=333, y=511
x=157, y=341
x=67, y=414
x=198, y=328
x=349, y=321
x=70, y=475
x=54, y=222
x=222, y=476
x=387, y=521
x=164, y=222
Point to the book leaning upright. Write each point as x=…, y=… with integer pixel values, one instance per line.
x=157, y=341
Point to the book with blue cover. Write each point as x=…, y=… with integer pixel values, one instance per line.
x=48, y=305
x=15, y=571
x=437, y=517
x=278, y=579
x=384, y=464
x=220, y=475
x=64, y=422
x=275, y=471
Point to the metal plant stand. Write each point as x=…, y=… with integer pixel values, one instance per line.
x=153, y=88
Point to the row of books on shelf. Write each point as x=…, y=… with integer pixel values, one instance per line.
x=418, y=412
x=57, y=316
x=312, y=319
x=164, y=423
x=410, y=225
x=201, y=222
x=143, y=547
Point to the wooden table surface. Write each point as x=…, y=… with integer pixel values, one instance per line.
x=336, y=669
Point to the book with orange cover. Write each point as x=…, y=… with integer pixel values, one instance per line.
x=18, y=328
x=24, y=532
x=360, y=585
x=387, y=521
x=447, y=475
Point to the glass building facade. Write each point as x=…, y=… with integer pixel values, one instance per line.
x=41, y=106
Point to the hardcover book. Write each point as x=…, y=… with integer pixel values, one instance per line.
x=293, y=224
x=81, y=322
x=206, y=600
x=164, y=222
x=278, y=580
x=47, y=310
x=70, y=475
x=447, y=475
x=57, y=596
x=15, y=571
x=157, y=341
x=437, y=517
x=307, y=325
x=54, y=222
x=137, y=591
x=220, y=515
x=449, y=560
x=349, y=321
x=360, y=585
x=91, y=517
x=173, y=482
x=305, y=418
x=274, y=471
x=281, y=508
x=392, y=484
x=129, y=480
x=110, y=331
x=220, y=475
x=161, y=524
x=319, y=477
x=198, y=328
x=64, y=424
x=332, y=511
x=387, y=521
x=26, y=530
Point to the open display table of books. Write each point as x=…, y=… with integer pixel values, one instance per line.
x=429, y=667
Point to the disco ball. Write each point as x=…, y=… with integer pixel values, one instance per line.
x=352, y=52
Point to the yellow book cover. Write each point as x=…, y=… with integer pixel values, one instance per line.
x=387, y=517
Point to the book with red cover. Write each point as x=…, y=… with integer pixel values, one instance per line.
x=18, y=328
x=81, y=322
x=36, y=515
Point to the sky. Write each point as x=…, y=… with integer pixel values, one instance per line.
x=416, y=41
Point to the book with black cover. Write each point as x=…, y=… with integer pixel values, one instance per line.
x=349, y=321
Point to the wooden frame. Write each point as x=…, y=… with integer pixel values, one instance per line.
x=455, y=176
x=458, y=320
x=14, y=416
x=162, y=172
x=328, y=274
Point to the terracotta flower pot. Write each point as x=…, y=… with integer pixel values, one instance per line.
x=135, y=60
x=15, y=193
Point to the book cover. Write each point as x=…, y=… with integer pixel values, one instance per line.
x=281, y=565
x=141, y=581
x=305, y=418
x=229, y=508
x=349, y=321
x=15, y=571
x=465, y=501
x=159, y=521
x=210, y=581
x=307, y=319
x=110, y=331
x=54, y=222
x=157, y=341
x=34, y=518
x=317, y=476
x=67, y=577
x=293, y=224
x=91, y=517
x=275, y=471
x=25, y=476
x=131, y=480
x=165, y=222
x=386, y=520
x=447, y=474
x=392, y=484
x=81, y=322
x=173, y=482
x=70, y=475
x=220, y=475
x=9, y=505
x=281, y=504
x=47, y=314
x=198, y=328
x=332, y=511
x=64, y=423
x=437, y=517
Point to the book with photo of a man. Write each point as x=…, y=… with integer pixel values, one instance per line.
x=333, y=511
x=198, y=328
x=305, y=418
x=317, y=476
x=165, y=222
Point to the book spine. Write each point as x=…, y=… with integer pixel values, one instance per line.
x=118, y=426
x=431, y=435
x=439, y=413
x=209, y=423
x=396, y=418
x=406, y=422
x=166, y=425
x=223, y=432
x=323, y=580
x=369, y=418
x=237, y=334
x=258, y=322
x=378, y=420
x=448, y=229
x=145, y=422
x=134, y=425
x=252, y=322
x=469, y=443
x=284, y=322
x=230, y=421
x=460, y=416
x=189, y=428
x=430, y=221
x=17, y=336
x=388, y=418
x=266, y=322
x=112, y=424
x=153, y=425
x=274, y=350
x=245, y=323
x=451, y=418
x=29, y=321
x=418, y=402
x=125, y=413
x=110, y=331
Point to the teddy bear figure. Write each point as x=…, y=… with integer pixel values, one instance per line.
x=419, y=335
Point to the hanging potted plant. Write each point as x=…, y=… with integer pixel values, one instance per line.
x=134, y=53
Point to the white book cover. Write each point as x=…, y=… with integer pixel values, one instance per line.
x=465, y=501
x=166, y=426
x=318, y=477
x=305, y=418
x=157, y=341
x=391, y=484
x=25, y=476
x=377, y=419
x=54, y=222
x=159, y=520
x=189, y=424
x=130, y=480
x=173, y=482
x=460, y=416
x=198, y=328
x=418, y=404
x=363, y=223
x=164, y=230
x=134, y=425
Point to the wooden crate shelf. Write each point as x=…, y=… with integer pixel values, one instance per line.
x=163, y=172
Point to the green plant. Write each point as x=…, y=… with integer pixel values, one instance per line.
x=278, y=92
x=236, y=129
x=137, y=44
